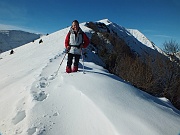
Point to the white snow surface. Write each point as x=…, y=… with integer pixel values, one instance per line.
x=34, y=100
x=143, y=39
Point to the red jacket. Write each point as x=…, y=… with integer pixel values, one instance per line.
x=85, y=40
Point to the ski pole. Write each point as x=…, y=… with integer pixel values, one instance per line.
x=82, y=61
x=61, y=63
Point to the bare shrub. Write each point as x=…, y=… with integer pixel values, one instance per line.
x=167, y=79
x=171, y=47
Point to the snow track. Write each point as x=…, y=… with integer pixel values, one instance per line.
x=65, y=101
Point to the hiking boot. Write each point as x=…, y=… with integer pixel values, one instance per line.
x=75, y=69
x=68, y=69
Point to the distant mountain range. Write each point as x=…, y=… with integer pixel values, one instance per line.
x=10, y=39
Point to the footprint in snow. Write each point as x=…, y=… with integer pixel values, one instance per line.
x=56, y=114
x=40, y=96
x=52, y=77
x=55, y=57
x=31, y=131
x=50, y=60
x=36, y=130
x=19, y=117
x=43, y=83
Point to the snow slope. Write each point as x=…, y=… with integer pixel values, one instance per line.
x=34, y=100
x=10, y=39
x=143, y=39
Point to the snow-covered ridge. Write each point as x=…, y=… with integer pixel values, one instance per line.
x=137, y=41
x=137, y=34
x=143, y=39
x=10, y=39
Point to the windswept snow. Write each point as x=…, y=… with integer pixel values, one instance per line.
x=34, y=100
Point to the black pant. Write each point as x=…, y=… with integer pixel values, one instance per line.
x=70, y=59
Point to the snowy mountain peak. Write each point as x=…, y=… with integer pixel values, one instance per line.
x=137, y=41
x=142, y=38
x=105, y=21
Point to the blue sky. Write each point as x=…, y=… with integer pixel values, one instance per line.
x=158, y=20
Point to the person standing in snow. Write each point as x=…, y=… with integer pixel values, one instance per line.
x=75, y=40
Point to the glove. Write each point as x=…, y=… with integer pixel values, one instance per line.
x=68, y=48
